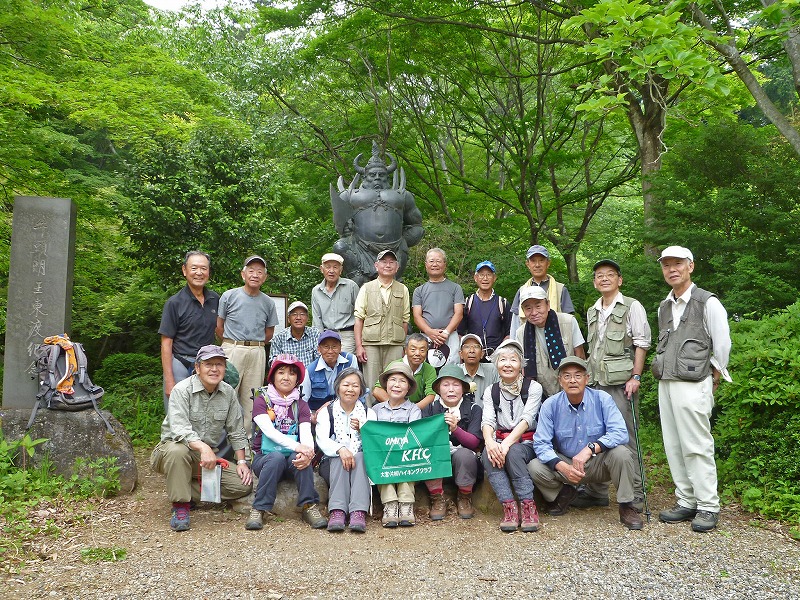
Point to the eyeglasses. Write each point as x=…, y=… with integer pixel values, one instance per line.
x=572, y=376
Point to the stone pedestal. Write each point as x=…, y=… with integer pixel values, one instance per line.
x=39, y=288
x=73, y=435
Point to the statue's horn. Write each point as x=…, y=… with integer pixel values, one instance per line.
x=393, y=165
x=359, y=169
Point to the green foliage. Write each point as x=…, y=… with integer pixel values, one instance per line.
x=758, y=429
x=98, y=478
x=134, y=394
x=103, y=554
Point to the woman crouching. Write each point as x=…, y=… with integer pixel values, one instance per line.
x=398, y=498
x=510, y=408
x=339, y=438
x=283, y=445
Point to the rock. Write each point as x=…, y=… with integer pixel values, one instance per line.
x=286, y=499
x=73, y=435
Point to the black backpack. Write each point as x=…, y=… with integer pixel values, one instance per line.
x=52, y=369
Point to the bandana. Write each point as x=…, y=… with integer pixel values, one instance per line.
x=552, y=337
x=281, y=405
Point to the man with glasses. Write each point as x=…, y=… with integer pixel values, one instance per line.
x=581, y=438
x=187, y=321
x=201, y=409
x=486, y=314
x=438, y=305
x=618, y=339
x=481, y=375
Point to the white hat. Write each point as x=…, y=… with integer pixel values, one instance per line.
x=676, y=252
x=296, y=304
x=332, y=256
x=532, y=292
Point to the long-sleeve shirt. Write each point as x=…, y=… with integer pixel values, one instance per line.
x=343, y=436
x=195, y=415
x=511, y=409
x=567, y=429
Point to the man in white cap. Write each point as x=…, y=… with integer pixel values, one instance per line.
x=438, y=305
x=190, y=432
x=691, y=356
x=537, y=259
x=299, y=338
x=333, y=301
x=383, y=310
x=245, y=322
x=547, y=337
x=481, y=375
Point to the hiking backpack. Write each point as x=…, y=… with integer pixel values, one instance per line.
x=64, y=384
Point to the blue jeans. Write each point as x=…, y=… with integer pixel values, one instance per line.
x=270, y=469
x=514, y=473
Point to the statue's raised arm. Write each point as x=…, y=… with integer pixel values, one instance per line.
x=374, y=216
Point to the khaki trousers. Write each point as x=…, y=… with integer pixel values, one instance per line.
x=251, y=362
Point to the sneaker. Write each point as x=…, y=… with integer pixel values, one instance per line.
x=255, y=520
x=438, y=507
x=629, y=517
x=705, y=521
x=180, y=516
x=313, y=517
x=584, y=500
x=676, y=514
x=530, y=517
x=390, y=514
x=464, y=506
x=336, y=520
x=358, y=521
x=560, y=505
x=510, y=520
x=406, y=514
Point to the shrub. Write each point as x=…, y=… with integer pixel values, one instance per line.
x=757, y=431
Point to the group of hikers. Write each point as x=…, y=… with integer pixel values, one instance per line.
x=531, y=405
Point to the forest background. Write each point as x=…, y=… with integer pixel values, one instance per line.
x=600, y=128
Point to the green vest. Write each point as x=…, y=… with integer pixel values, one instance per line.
x=612, y=362
x=383, y=323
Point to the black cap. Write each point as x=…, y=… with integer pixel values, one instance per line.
x=607, y=262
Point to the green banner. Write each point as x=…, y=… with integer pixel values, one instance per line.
x=416, y=451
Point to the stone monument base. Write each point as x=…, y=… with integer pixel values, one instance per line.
x=73, y=435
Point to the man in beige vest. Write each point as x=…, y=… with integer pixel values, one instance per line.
x=547, y=337
x=383, y=311
x=537, y=259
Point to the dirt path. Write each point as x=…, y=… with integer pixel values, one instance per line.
x=585, y=553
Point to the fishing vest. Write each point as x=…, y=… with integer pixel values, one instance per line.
x=610, y=362
x=684, y=353
x=318, y=380
x=383, y=323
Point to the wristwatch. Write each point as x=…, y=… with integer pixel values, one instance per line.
x=593, y=447
x=241, y=461
x=636, y=377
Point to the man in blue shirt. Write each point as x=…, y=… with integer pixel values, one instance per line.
x=580, y=438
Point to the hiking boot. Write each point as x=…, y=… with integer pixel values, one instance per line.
x=530, y=517
x=180, y=516
x=705, y=521
x=464, y=506
x=358, y=521
x=676, y=514
x=560, y=505
x=336, y=520
x=390, y=514
x=438, y=507
x=584, y=500
x=255, y=520
x=510, y=520
x=313, y=517
x=406, y=514
x=629, y=517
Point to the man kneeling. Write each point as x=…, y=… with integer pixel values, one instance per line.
x=200, y=408
x=581, y=438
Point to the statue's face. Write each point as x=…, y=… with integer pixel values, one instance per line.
x=376, y=178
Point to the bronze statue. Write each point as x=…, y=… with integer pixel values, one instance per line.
x=374, y=217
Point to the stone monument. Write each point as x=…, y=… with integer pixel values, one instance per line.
x=39, y=288
x=374, y=216
x=40, y=305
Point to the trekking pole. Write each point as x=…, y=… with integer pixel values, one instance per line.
x=639, y=454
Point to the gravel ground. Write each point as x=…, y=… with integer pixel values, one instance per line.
x=584, y=553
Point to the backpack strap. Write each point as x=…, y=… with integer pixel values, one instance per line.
x=80, y=358
x=330, y=418
x=523, y=394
